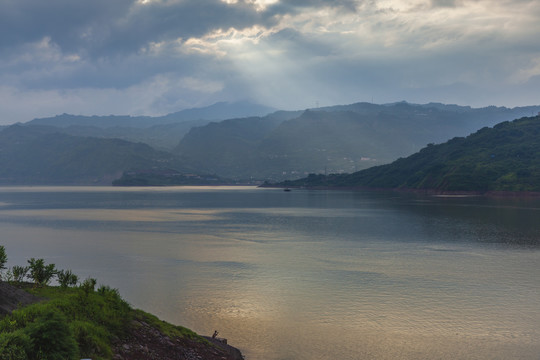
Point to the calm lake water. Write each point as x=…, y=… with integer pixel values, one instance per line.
x=302, y=275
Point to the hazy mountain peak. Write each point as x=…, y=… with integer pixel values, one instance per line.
x=216, y=112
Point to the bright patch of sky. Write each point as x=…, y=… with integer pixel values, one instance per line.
x=158, y=56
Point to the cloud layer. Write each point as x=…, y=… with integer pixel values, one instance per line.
x=159, y=56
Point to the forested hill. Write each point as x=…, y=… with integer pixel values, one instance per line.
x=503, y=158
x=40, y=155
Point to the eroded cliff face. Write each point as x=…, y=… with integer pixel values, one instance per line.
x=12, y=298
x=147, y=342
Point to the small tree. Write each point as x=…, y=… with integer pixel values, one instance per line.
x=41, y=273
x=3, y=259
x=19, y=273
x=67, y=278
x=88, y=285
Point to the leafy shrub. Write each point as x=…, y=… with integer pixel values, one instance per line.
x=93, y=340
x=19, y=273
x=51, y=337
x=14, y=345
x=88, y=285
x=41, y=273
x=38, y=331
x=9, y=276
x=107, y=291
x=67, y=278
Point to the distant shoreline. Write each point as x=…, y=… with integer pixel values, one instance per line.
x=433, y=192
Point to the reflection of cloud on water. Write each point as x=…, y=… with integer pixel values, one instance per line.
x=136, y=215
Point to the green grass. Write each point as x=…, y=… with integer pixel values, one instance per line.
x=74, y=323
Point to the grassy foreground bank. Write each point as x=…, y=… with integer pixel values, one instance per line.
x=76, y=323
x=42, y=322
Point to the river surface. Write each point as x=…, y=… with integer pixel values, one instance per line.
x=301, y=275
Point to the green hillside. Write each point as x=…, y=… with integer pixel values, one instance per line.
x=40, y=155
x=503, y=158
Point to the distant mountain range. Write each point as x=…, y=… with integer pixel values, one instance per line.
x=503, y=158
x=252, y=145
x=216, y=112
x=338, y=139
x=160, y=132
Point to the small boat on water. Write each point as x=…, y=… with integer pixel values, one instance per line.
x=286, y=189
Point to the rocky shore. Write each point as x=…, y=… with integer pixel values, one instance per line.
x=147, y=342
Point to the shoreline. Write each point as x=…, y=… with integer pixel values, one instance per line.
x=433, y=192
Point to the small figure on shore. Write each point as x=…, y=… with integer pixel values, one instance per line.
x=215, y=334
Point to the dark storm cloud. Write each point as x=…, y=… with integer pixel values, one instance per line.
x=157, y=22
x=104, y=27
x=67, y=22
x=105, y=37
x=99, y=27
x=108, y=35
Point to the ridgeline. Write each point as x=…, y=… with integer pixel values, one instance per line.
x=233, y=143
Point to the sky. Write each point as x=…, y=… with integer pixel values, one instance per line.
x=153, y=57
